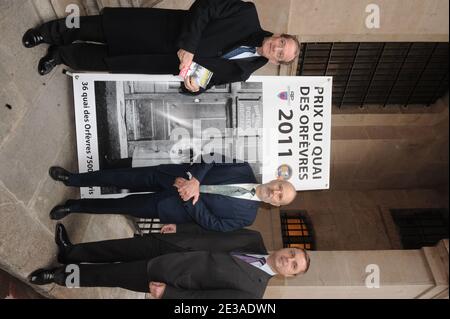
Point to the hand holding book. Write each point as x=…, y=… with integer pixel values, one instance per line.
x=197, y=75
x=186, y=58
x=191, y=84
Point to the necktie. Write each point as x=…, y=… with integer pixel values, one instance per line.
x=226, y=190
x=250, y=259
x=238, y=51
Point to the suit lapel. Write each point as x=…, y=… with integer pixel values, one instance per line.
x=257, y=38
x=247, y=203
x=250, y=65
x=254, y=40
x=258, y=277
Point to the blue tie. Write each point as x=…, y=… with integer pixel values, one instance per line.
x=238, y=51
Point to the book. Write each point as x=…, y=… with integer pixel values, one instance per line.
x=201, y=75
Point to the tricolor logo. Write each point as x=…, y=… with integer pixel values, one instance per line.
x=284, y=171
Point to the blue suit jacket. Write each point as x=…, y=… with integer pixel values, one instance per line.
x=212, y=212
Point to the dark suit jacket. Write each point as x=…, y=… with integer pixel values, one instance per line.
x=207, y=270
x=146, y=40
x=193, y=237
x=212, y=212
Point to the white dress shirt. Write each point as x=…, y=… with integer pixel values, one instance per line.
x=248, y=187
x=245, y=55
x=266, y=268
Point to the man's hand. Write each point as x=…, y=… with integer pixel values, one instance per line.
x=180, y=182
x=157, y=289
x=186, y=58
x=188, y=189
x=169, y=229
x=191, y=85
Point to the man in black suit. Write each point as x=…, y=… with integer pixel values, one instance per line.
x=223, y=36
x=190, y=264
x=218, y=196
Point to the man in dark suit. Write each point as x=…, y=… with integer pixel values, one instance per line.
x=217, y=196
x=190, y=264
x=223, y=36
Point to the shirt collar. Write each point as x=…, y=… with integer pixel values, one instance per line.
x=266, y=268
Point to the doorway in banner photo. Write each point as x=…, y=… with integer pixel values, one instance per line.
x=145, y=120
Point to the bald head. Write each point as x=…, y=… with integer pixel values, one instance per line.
x=277, y=193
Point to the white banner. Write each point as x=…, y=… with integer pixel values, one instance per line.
x=298, y=112
x=280, y=125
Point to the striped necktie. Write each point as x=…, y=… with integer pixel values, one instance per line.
x=238, y=51
x=250, y=259
x=226, y=190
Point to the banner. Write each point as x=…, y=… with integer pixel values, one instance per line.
x=280, y=125
x=298, y=112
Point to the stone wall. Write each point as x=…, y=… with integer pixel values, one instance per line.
x=350, y=220
x=360, y=220
x=402, y=274
x=401, y=20
x=390, y=151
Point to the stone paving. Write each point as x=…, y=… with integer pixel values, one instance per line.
x=37, y=130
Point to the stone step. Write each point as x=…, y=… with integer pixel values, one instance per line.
x=91, y=7
x=45, y=10
x=52, y=9
x=41, y=122
x=128, y=3
x=60, y=7
x=57, y=8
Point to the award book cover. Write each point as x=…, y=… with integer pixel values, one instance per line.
x=201, y=74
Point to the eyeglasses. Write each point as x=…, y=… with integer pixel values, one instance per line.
x=282, y=46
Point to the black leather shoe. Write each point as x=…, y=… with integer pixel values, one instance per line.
x=49, y=62
x=59, y=174
x=32, y=38
x=43, y=276
x=61, y=237
x=59, y=212
x=63, y=242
